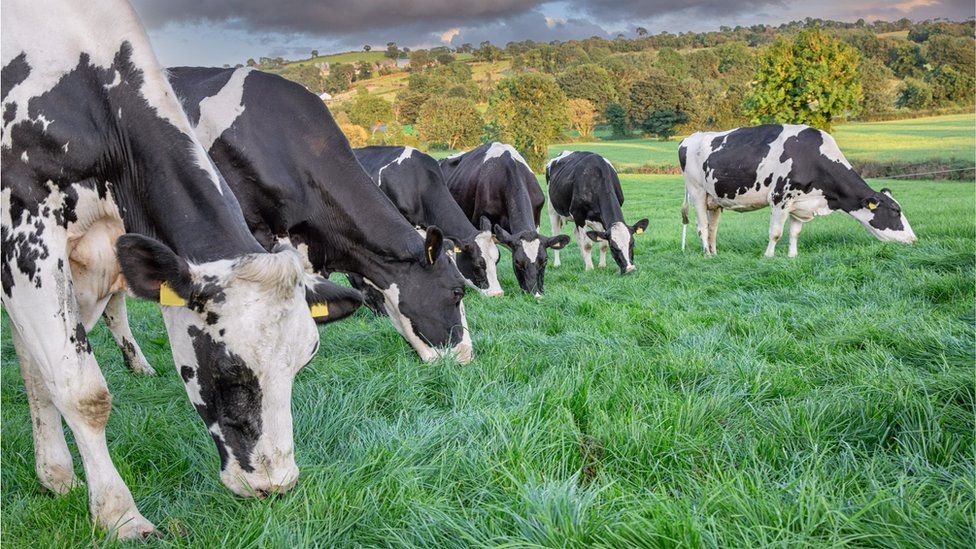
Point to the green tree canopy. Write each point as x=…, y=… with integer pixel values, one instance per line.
x=449, y=122
x=529, y=111
x=590, y=82
x=657, y=91
x=807, y=80
x=368, y=110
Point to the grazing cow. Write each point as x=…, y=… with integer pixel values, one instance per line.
x=297, y=179
x=584, y=187
x=94, y=146
x=495, y=187
x=413, y=181
x=798, y=171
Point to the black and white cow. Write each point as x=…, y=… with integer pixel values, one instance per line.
x=798, y=171
x=495, y=187
x=584, y=188
x=95, y=145
x=298, y=180
x=413, y=181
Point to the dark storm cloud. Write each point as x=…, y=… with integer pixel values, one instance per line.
x=532, y=25
x=328, y=16
x=613, y=10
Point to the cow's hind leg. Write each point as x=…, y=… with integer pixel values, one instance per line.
x=45, y=310
x=714, y=214
x=776, y=222
x=698, y=200
x=117, y=319
x=604, y=246
x=52, y=459
x=586, y=247
x=556, y=221
x=796, y=225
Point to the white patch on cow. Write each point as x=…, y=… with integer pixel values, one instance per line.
x=219, y=111
x=115, y=81
x=489, y=252
x=24, y=157
x=497, y=149
x=805, y=206
x=561, y=156
x=404, y=155
x=831, y=151
x=531, y=249
x=620, y=236
x=65, y=147
x=904, y=236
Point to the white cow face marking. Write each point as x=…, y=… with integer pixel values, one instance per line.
x=489, y=254
x=622, y=246
x=239, y=341
x=529, y=256
x=881, y=215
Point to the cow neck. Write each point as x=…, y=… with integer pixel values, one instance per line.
x=518, y=206
x=440, y=209
x=610, y=211
x=361, y=229
x=846, y=191
x=167, y=187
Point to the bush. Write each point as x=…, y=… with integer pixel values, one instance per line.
x=529, y=111
x=582, y=113
x=662, y=122
x=449, y=122
x=589, y=82
x=913, y=94
x=407, y=105
x=369, y=110
x=356, y=135
x=616, y=116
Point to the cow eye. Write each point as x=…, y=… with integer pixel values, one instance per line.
x=458, y=294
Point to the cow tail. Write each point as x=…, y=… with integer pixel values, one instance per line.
x=684, y=221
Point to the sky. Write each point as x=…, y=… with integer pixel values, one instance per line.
x=217, y=32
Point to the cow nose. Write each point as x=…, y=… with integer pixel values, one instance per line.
x=493, y=293
x=630, y=269
x=463, y=352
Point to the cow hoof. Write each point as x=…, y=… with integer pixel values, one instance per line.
x=495, y=293
x=143, y=369
x=131, y=525
x=57, y=479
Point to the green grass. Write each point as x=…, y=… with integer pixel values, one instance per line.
x=347, y=57
x=733, y=401
x=951, y=136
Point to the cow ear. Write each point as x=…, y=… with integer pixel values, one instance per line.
x=886, y=191
x=557, y=242
x=433, y=244
x=639, y=227
x=485, y=224
x=147, y=264
x=503, y=237
x=870, y=203
x=328, y=301
x=597, y=236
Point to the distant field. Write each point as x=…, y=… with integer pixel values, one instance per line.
x=951, y=136
x=347, y=57
x=733, y=401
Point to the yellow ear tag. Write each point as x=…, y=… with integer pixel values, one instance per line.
x=872, y=206
x=457, y=250
x=430, y=255
x=168, y=297
x=640, y=230
x=319, y=310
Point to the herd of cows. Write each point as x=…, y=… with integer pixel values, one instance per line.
x=229, y=196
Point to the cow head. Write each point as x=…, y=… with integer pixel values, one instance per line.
x=881, y=215
x=478, y=262
x=240, y=331
x=529, y=256
x=621, y=239
x=423, y=298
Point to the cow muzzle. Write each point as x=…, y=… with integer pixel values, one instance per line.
x=261, y=482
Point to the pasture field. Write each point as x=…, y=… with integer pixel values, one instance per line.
x=733, y=401
x=948, y=136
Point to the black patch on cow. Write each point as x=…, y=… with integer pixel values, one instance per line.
x=187, y=373
x=12, y=74
x=9, y=112
x=735, y=163
x=682, y=156
x=128, y=354
x=231, y=396
x=80, y=339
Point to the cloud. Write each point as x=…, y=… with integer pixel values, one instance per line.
x=449, y=34
x=532, y=25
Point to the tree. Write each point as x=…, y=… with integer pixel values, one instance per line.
x=589, y=82
x=449, y=122
x=582, y=114
x=662, y=123
x=367, y=47
x=391, y=50
x=488, y=52
x=616, y=116
x=251, y=62
x=445, y=58
x=305, y=74
x=420, y=60
x=340, y=78
x=876, y=87
x=408, y=103
x=369, y=110
x=808, y=80
x=365, y=70
x=948, y=51
x=914, y=94
x=315, y=53
x=356, y=135
x=641, y=31
x=657, y=91
x=529, y=111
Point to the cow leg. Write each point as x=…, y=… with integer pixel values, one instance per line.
x=698, y=199
x=556, y=221
x=795, y=227
x=586, y=247
x=604, y=246
x=52, y=336
x=116, y=317
x=776, y=222
x=713, y=216
x=52, y=459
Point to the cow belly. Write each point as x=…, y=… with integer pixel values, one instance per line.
x=95, y=272
x=746, y=201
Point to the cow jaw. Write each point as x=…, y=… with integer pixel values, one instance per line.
x=428, y=353
x=489, y=252
x=905, y=235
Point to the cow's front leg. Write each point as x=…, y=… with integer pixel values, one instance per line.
x=586, y=247
x=52, y=459
x=117, y=319
x=698, y=199
x=776, y=222
x=795, y=227
x=604, y=245
x=714, y=214
x=556, y=221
